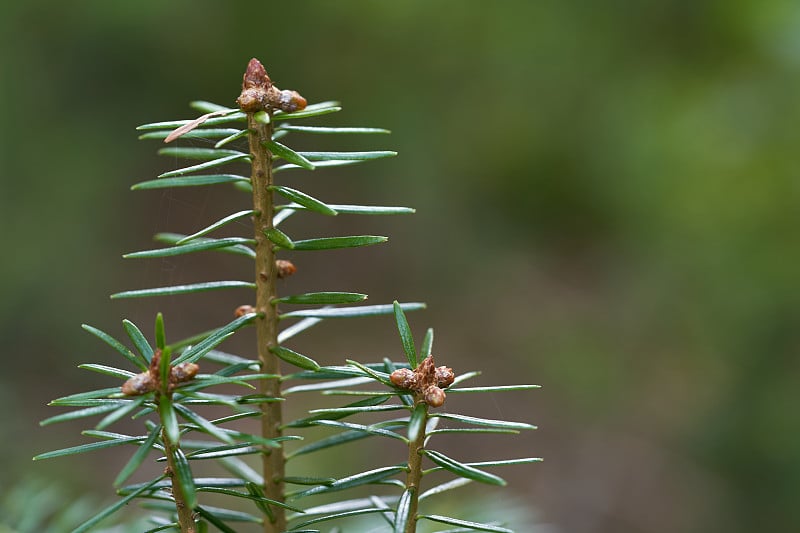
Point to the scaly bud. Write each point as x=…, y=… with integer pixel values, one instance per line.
x=183, y=372
x=139, y=384
x=284, y=268
x=243, y=310
x=404, y=378
x=434, y=396
x=444, y=376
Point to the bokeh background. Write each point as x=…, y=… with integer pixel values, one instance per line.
x=607, y=198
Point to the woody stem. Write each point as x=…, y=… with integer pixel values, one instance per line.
x=267, y=321
x=185, y=513
x=414, y=477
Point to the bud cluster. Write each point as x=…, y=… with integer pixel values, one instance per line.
x=149, y=381
x=259, y=94
x=427, y=380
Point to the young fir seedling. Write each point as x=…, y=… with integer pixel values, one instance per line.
x=172, y=384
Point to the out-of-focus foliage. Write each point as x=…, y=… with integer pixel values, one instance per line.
x=612, y=188
x=44, y=506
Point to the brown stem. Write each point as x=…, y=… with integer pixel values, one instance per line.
x=414, y=477
x=267, y=322
x=185, y=513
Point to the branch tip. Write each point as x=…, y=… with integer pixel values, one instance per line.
x=259, y=94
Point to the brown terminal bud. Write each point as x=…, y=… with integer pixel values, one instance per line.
x=255, y=76
x=434, y=396
x=259, y=94
x=183, y=372
x=284, y=268
x=404, y=378
x=291, y=101
x=243, y=310
x=139, y=384
x=251, y=100
x=255, y=87
x=444, y=376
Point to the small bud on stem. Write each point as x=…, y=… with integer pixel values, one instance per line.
x=243, y=310
x=284, y=268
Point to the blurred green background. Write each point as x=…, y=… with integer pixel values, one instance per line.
x=607, y=203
